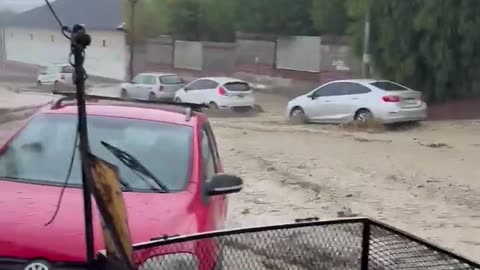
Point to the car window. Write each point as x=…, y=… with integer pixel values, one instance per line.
x=237, y=86
x=53, y=69
x=138, y=79
x=356, y=89
x=206, y=84
x=171, y=79
x=41, y=152
x=333, y=89
x=389, y=86
x=43, y=70
x=148, y=79
x=196, y=85
x=208, y=157
x=209, y=84
x=67, y=69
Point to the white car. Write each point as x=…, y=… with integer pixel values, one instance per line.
x=152, y=86
x=346, y=100
x=218, y=93
x=56, y=75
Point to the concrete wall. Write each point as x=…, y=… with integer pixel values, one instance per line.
x=106, y=57
x=188, y=55
x=219, y=57
x=300, y=53
x=259, y=58
x=160, y=50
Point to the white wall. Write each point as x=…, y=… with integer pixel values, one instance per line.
x=188, y=55
x=300, y=53
x=43, y=47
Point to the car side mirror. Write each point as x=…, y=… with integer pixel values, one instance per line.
x=43, y=73
x=222, y=184
x=312, y=96
x=186, y=88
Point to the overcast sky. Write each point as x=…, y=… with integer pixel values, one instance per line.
x=21, y=5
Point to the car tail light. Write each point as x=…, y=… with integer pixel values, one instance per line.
x=391, y=98
x=160, y=88
x=222, y=92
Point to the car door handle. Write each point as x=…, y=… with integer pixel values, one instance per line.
x=354, y=98
x=328, y=101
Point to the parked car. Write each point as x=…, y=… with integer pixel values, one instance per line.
x=152, y=86
x=56, y=75
x=176, y=145
x=218, y=93
x=346, y=100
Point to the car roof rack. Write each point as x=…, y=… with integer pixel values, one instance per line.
x=189, y=107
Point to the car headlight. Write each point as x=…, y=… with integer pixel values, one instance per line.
x=176, y=261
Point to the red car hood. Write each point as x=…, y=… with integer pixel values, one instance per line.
x=26, y=208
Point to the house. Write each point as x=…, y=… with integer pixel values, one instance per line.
x=34, y=36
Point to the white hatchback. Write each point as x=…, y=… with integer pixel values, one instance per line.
x=152, y=86
x=57, y=75
x=362, y=100
x=218, y=93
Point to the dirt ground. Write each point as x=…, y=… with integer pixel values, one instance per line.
x=424, y=179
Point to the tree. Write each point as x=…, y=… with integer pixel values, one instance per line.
x=185, y=19
x=284, y=17
x=329, y=16
x=218, y=19
x=429, y=45
x=151, y=18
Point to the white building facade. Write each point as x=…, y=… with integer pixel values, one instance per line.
x=107, y=56
x=34, y=37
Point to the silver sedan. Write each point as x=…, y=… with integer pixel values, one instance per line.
x=362, y=100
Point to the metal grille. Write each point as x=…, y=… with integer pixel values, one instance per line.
x=340, y=244
x=394, y=250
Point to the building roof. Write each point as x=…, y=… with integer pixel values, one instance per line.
x=95, y=14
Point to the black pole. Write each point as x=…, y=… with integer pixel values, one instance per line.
x=365, y=245
x=79, y=41
x=131, y=33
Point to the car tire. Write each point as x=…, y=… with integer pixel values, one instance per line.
x=55, y=87
x=242, y=109
x=363, y=115
x=178, y=100
x=39, y=264
x=297, y=116
x=213, y=106
x=152, y=96
x=124, y=94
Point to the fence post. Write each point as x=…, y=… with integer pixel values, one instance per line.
x=365, y=245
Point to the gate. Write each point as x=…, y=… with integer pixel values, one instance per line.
x=342, y=244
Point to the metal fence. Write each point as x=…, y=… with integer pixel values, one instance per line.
x=358, y=243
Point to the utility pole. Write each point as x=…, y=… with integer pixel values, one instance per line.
x=366, y=59
x=131, y=33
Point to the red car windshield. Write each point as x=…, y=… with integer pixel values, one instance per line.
x=41, y=153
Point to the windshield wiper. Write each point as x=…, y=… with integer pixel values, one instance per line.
x=135, y=165
x=125, y=185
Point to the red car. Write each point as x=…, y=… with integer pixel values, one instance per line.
x=182, y=194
